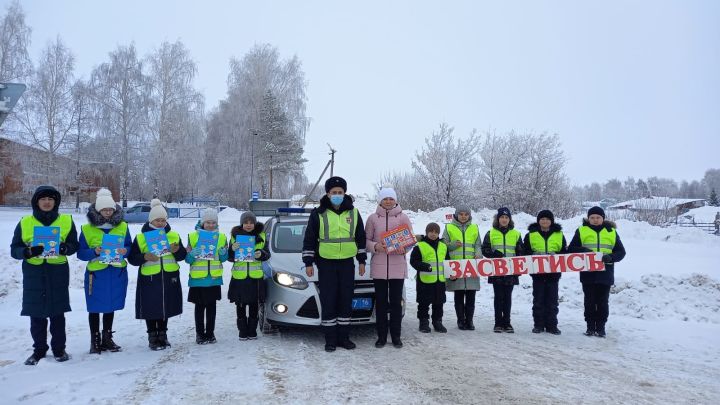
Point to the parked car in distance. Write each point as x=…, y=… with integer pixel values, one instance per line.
x=138, y=213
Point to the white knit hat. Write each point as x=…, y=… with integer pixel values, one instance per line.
x=210, y=214
x=104, y=199
x=386, y=192
x=156, y=210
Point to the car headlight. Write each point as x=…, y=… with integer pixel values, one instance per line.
x=286, y=279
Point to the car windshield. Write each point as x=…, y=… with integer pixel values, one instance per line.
x=288, y=237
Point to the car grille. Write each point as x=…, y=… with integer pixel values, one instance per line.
x=364, y=284
x=309, y=309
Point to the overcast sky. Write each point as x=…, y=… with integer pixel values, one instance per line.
x=631, y=87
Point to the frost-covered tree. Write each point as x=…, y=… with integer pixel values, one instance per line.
x=175, y=121
x=444, y=167
x=713, y=199
x=47, y=109
x=120, y=101
x=15, y=63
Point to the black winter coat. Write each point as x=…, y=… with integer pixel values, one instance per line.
x=158, y=296
x=487, y=251
x=606, y=277
x=549, y=277
x=45, y=286
x=311, y=243
x=248, y=290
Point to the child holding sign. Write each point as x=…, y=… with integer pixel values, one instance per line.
x=207, y=250
x=45, y=280
x=503, y=240
x=247, y=286
x=158, y=295
x=106, y=281
x=598, y=235
x=427, y=258
x=545, y=237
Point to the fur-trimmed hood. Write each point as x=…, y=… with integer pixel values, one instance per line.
x=496, y=223
x=607, y=224
x=96, y=219
x=535, y=227
x=46, y=217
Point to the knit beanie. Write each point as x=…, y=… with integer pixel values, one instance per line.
x=210, y=214
x=104, y=199
x=504, y=211
x=462, y=208
x=596, y=210
x=386, y=192
x=546, y=214
x=247, y=216
x=335, y=181
x=156, y=210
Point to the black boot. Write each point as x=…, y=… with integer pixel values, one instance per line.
x=163, y=339
x=600, y=332
x=397, y=343
x=590, y=329
x=438, y=326
x=252, y=328
x=61, y=356
x=210, y=338
x=538, y=329
x=242, y=325
x=381, y=342
x=95, y=344
x=108, y=343
x=34, y=359
x=424, y=326
x=461, y=324
x=347, y=344
x=469, y=324
x=553, y=330
x=153, y=343
x=200, y=338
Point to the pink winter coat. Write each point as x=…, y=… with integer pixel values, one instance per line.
x=377, y=224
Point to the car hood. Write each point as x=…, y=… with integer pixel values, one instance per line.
x=292, y=263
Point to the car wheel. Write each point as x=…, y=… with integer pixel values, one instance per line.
x=265, y=326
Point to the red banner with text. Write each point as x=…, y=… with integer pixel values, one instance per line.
x=519, y=265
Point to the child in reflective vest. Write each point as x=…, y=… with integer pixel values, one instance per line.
x=503, y=240
x=427, y=258
x=247, y=286
x=206, y=275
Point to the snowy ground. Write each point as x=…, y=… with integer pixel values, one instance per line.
x=662, y=344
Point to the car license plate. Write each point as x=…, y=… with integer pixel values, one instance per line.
x=362, y=303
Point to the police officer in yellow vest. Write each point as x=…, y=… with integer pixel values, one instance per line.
x=45, y=280
x=462, y=238
x=247, y=285
x=545, y=237
x=105, y=283
x=158, y=295
x=598, y=235
x=503, y=240
x=206, y=275
x=427, y=258
x=334, y=237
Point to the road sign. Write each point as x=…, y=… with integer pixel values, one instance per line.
x=255, y=195
x=9, y=95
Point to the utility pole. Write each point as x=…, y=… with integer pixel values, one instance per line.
x=332, y=159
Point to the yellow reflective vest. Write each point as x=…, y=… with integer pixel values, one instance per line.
x=27, y=227
x=93, y=237
x=539, y=245
x=505, y=242
x=603, y=241
x=166, y=263
x=468, y=239
x=242, y=270
x=337, y=234
x=200, y=268
x=435, y=258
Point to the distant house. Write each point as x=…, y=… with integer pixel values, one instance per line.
x=666, y=206
x=23, y=168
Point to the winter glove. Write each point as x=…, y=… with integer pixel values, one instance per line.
x=223, y=251
x=258, y=254
x=63, y=248
x=498, y=253
x=33, y=251
x=426, y=268
x=607, y=259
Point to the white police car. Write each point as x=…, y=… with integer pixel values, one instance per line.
x=293, y=298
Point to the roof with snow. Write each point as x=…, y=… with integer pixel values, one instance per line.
x=654, y=202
